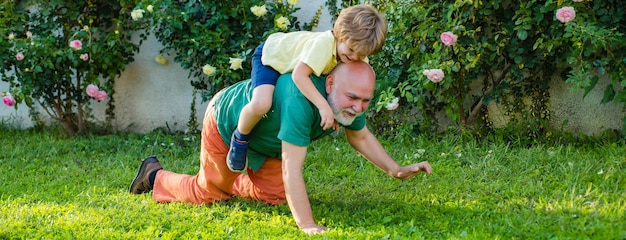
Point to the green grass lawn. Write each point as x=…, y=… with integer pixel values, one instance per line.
x=58, y=188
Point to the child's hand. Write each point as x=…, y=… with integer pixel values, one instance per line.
x=328, y=118
x=335, y=125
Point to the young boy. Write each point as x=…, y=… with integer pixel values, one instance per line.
x=359, y=31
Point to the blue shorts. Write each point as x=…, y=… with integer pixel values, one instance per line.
x=262, y=74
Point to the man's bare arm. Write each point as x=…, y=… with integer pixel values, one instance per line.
x=295, y=188
x=368, y=145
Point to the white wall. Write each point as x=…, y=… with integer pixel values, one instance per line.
x=584, y=115
x=149, y=95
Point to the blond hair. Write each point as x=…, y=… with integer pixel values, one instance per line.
x=362, y=28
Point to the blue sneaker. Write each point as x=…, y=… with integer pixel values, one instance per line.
x=236, y=159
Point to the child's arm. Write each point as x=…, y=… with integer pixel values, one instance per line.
x=300, y=75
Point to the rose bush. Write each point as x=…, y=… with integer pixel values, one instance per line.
x=512, y=49
x=214, y=40
x=53, y=50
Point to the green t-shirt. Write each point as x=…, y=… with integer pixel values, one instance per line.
x=292, y=118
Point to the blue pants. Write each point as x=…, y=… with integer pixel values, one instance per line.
x=262, y=74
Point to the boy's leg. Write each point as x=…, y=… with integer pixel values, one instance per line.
x=258, y=106
x=250, y=115
x=264, y=81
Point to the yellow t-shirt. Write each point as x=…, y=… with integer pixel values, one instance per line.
x=282, y=51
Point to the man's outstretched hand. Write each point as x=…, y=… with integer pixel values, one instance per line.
x=410, y=171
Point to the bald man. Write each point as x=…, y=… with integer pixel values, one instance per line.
x=278, y=146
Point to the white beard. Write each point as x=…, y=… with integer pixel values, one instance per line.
x=338, y=113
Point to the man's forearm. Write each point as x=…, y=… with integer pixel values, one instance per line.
x=295, y=188
x=366, y=143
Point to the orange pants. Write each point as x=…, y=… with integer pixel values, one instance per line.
x=214, y=181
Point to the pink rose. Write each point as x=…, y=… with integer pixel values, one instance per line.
x=76, y=44
x=19, y=56
x=84, y=57
x=101, y=96
x=448, y=38
x=434, y=75
x=393, y=104
x=92, y=90
x=8, y=100
x=565, y=14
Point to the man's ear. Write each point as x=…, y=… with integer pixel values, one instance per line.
x=330, y=81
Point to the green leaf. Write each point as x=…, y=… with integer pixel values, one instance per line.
x=591, y=85
x=409, y=96
x=537, y=43
x=620, y=97
x=609, y=94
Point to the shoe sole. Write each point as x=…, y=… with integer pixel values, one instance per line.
x=234, y=170
x=142, y=169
